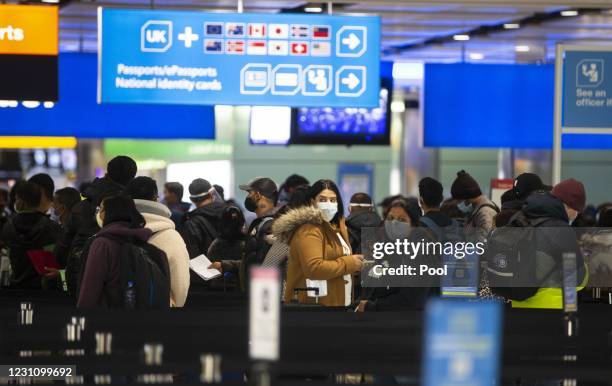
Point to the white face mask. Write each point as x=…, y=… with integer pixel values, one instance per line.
x=328, y=209
x=465, y=207
x=54, y=215
x=99, y=220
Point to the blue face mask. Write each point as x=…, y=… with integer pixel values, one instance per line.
x=465, y=207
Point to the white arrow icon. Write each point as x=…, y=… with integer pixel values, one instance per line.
x=352, y=41
x=351, y=81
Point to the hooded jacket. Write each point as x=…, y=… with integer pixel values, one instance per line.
x=81, y=225
x=316, y=253
x=200, y=228
x=24, y=232
x=356, y=221
x=101, y=282
x=553, y=238
x=165, y=237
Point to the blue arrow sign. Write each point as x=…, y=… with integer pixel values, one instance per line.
x=240, y=59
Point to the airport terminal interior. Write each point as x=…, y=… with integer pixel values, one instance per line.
x=283, y=192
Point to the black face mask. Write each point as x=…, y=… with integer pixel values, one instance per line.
x=250, y=204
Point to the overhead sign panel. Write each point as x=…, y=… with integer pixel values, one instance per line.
x=28, y=52
x=28, y=29
x=239, y=59
x=587, y=89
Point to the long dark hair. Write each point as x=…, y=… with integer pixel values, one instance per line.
x=231, y=224
x=320, y=186
x=121, y=208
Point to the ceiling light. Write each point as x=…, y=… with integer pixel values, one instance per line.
x=476, y=56
x=569, y=13
x=398, y=106
x=313, y=9
x=512, y=26
x=30, y=104
x=461, y=37
x=4, y=103
x=522, y=48
x=51, y=1
x=408, y=70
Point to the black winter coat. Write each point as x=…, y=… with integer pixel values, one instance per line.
x=25, y=232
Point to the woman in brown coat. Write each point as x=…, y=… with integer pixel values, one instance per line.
x=320, y=254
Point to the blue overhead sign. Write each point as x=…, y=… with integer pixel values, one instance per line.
x=462, y=343
x=77, y=114
x=513, y=108
x=587, y=89
x=238, y=59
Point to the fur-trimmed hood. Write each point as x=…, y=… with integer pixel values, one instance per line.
x=285, y=226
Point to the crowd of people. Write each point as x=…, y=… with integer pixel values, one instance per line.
x=116, y=243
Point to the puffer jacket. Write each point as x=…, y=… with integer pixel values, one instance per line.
x=316, y=253
x=165, y=237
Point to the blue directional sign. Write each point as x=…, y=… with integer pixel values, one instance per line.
x=587, y=89
x=202, y=58
x=462, y=343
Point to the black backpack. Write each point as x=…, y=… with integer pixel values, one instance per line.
x=145, y=273
x=511, y=255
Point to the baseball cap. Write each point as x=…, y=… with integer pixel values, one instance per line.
x=263, y=185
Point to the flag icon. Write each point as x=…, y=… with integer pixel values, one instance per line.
x=320, y=49
x=214, y=29
x=213, y=46
x=299, y=31
x=299, y=48
x=321, y=32
x=234, y=29
x=234, y=47
x=256, y=47
x=257, y=30
x=278, y=47
x=278, y=31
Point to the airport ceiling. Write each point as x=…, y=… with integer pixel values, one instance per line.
x=412, y=30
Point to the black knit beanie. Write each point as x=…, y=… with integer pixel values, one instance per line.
x=465, y=187
x=121, y=169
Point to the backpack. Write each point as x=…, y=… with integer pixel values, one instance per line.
x=462, y=278
x=145, y=274
x=511, y=256
x=478, y=208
